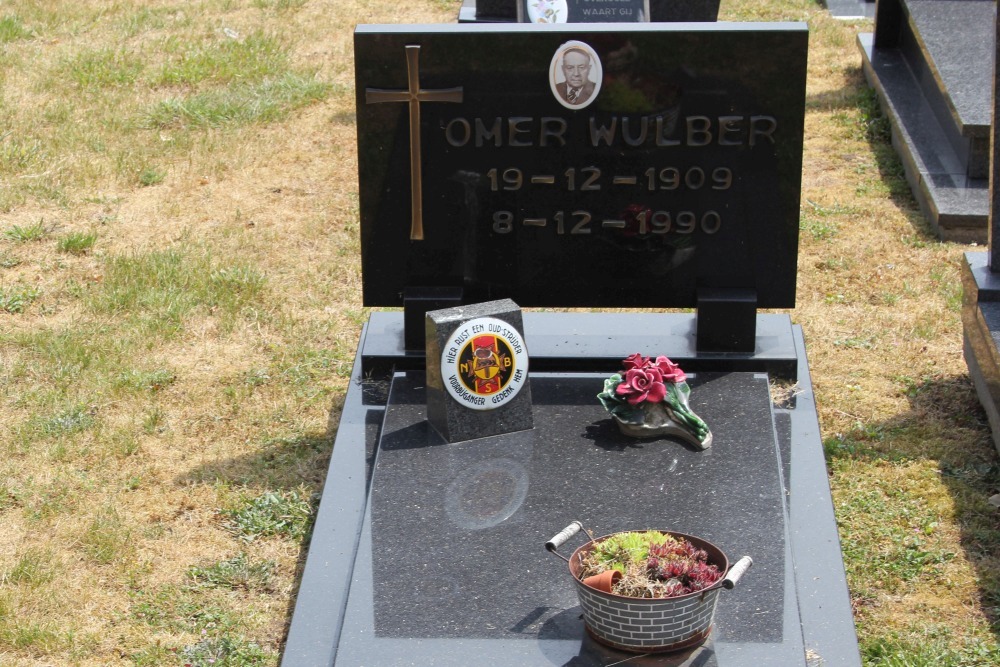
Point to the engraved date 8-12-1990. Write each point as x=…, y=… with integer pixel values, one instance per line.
x=641, y=222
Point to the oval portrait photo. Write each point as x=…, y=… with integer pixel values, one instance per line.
x=575, y=75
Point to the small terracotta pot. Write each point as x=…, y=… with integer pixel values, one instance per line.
x=603, y=581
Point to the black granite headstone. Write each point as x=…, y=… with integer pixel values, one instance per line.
x=477, y=371
x=678, y=170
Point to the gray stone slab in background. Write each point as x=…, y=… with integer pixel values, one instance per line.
x=851, y=9
x=930, y=61
x=955, y=205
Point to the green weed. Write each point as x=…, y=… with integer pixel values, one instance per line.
x=891, y=539
x=819, y=229
x=238, y=281
x=33, y=232
x=279, y=5
x=856, y=342
x=77, y=243
x=33, y=568
x=16, y=299
x=153, y=420
x=185, y=609
x=255, y=377
x=282, y=513
x=38, y=637
x=238, y=572
x=151, y=176
x=226, y=650
x=145, y=381
x=12, y=29
x=875, y=126
x=146, y=18
x=74, y=420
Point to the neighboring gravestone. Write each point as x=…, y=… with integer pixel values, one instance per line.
x=929, y=62
x=981, y=286
x=582, y=11
x=477, y=371
x=491, y=11
x=671, y=179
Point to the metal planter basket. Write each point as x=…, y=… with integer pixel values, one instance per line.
x=649, y=625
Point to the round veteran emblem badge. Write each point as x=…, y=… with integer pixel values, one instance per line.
x=485, y=363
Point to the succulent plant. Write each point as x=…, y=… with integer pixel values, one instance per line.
x=653, y=564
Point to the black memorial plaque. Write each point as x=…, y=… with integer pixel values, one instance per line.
x=583, y=11
x=679, y=171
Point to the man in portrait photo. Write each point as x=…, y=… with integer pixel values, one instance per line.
x=578, y=87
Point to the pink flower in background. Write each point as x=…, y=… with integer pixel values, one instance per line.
x=671, y=372
x=635, y=361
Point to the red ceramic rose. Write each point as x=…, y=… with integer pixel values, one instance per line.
x=642, y=384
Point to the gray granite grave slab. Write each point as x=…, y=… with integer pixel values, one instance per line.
x=932, y=72
x=468, y=519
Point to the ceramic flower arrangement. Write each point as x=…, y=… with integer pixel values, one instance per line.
x=649, y=398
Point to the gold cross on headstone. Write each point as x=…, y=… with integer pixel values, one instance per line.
x=414, y=95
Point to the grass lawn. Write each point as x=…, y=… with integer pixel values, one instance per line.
x=180, y=301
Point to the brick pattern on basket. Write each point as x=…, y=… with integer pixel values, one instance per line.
x=641, y=623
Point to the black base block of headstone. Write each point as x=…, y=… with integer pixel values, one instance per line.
x=453, y=420
x=930, y=63
x=416, y=302
x=981, y=334
x=727, y=320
